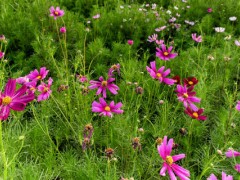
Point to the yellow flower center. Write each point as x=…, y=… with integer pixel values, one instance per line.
x=56, y=13
x=159, y=75
x=107, y=108
x=39, y=77
x=45, y=89
x=6, y=100
x=32, y=88
x=104, y=83
x=165, y=53
x=190, y=82
x=195, y=114
x=185, y=95
x=169, y=160
x=114, y=67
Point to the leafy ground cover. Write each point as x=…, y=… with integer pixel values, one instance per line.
x=113, y=89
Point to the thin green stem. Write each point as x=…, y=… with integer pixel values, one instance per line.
x=4, y=159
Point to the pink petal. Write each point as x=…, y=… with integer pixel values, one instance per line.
x=10, y=87
x=178, y=157
x=4, y=112
x=163, y=170
x=103, y=102
x=212, y=177
x=171, y=174
x=17, y=106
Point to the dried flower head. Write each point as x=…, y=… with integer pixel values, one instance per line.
x=136, y=143
x=109, y=152
x=159, y=141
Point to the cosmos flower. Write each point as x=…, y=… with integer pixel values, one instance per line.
x=231, y=153
x=190, y=81
x=195, y=114
x=35, y=75
x=115, y=67
x=56, y=12
x=209, y=10
x=237, y=43
x=169, y=164
x=82, y=78
x=1, y=54
x=12, y=99
x=219, y=29
x=188, y=97
x=224, y=177
x=22, y=80
x=237, y=167
x=160, y=28
x=195, y=38
x=97, y=16
x=130, y=42
x=45, y=90
x=234, y=18
x=159, y=74
x=106, y=110
x=152, y=38
x=103, y=85
x=176, y=79
x=238, y=106
x=165, y=54
x=63, y=30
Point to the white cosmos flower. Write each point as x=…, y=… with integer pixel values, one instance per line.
x=219, y=29
x=234, y=18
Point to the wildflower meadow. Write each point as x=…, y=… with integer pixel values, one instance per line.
x=120, y=90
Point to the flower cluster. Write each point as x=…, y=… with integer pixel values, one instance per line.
x=231, y=154
x=103, y=85
x=34, y=82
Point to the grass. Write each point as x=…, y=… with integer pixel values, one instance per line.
x=45, y=140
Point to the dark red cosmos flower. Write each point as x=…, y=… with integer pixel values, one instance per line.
x=195, y=114
x=190, y=81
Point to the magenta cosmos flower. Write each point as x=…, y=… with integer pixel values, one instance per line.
x=115, y=67
x=103, y=85
x=63, y=30
x=56, y=12
x=45, y=90
x=165, y=54
x=12, y=99
x=186, y=96
x=238, y=106
x=130, y=42
x=237, y=167
x=35, y=75
x=231, y=153
x=159, y=74
x=224, y=177
x=1, y=54
x=106, y=110
x=169, y=165
x=195, y=38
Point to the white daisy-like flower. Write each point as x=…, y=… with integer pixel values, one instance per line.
x=219, y=29
x=233, y=18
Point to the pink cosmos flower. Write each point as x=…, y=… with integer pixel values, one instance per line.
x=209, y=10
x=115, y=67
x=63, y=30
x=56, y=12
x=195, y=38
x=231, y=153
x=160, y=28
x=45, y=90
x=106, y=110
x=97, y=16
x=12, y=99
x=130, y=42
x=195, y=114
x=82, y=78
x=35, y=75
x=159, y=74
x=186, y=96
x=169, y=164
x=165, y=54
x=224, y=177
x=237, y=168
x=237, y=43
x=1, y=54
x=22, y=80
x=103, y=85
x=159, y=42
x=32, y=87
x=152, y=38
x=238, y=106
